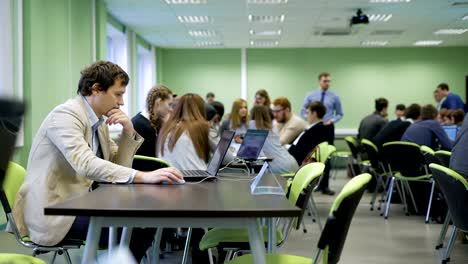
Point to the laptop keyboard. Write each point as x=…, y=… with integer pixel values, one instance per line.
x=196, y=173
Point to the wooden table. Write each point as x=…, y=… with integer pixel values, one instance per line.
x=219, y=203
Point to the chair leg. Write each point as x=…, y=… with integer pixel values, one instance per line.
x=453, y=236
x=374, y=195
x=228, y=256
x=304, y=229
x=156, y=245
x=317, y=257
x=34, y=254
x=430, y=202
x=411, y=195
x=315, y=211
x=402, y=195
x=67, y=256
x=443, y=231
x=389, y=197
x=53, y=257
x=386, y=183
x=187, y=246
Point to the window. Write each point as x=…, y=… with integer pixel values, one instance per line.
x=145, y=74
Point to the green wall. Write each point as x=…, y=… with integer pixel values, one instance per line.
x=201, y=71
x=359, y=75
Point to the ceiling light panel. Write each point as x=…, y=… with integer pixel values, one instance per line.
x=263, y=43
x=209, y=44
x=186, y=2
x=451, y=31
x=428, y=42
x=388, y=1
x=374, y=43
x=465, y=17
x=194, y=19
x=202, y=33
x=267, y=2
x=266, y=19
x=265, y=33
x=380, y=17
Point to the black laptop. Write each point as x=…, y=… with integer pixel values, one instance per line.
x=215, y=162
x=11, y=115
x=252, y=144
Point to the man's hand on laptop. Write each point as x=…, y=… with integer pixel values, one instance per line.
x=167, y=175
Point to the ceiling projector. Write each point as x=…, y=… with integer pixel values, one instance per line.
x=359, y=18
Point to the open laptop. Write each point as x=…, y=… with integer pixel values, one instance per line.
x=215, y=162
x=11, y=115
x=252, y=144
x=451, y=132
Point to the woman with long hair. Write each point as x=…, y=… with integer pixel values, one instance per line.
x=148, y=122
x=238, y=120
x=183, y=140
x=282, y=160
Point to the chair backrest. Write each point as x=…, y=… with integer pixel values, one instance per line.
x=372, y=152
x=14, y=178
x=404, y=157
x=342, y=211
x=145, y=163
x=428, y=155
x=353, y=146
x=444, y=157
x=455, y=189
x=322, y=154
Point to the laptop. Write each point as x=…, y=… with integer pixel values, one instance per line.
x=11, y=115
x=451, y=132
x=252, y=144
x=215, y=162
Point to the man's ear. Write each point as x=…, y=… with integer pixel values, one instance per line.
x=95, y=88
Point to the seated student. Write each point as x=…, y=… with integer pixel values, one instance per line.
x=400, y=111
x=315, y=133
x=458, y=160
x=373, y=123
x=428, y=131
x=71, y=149
x=456, y=117
x=442, y=116
x=395, y=129
x=238, y=120
x=282, y=161
x=288, y=125
x=262, y=98
x=210, y=97
x=183, y=140
x=219, y=108
x=148, y=122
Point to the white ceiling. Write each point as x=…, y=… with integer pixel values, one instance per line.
x=157, y=22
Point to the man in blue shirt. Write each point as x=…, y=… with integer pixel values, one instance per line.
x=331, y=101
x=448, y=100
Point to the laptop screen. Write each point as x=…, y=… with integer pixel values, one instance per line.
x=11, y=115
x=451, y=132
x=252, y=144
x=220, y=152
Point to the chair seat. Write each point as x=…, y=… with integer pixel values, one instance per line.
x=288, y=175
x=413, y=178
x=273, y=259
x=365, y=163
x=342, y=154
x=19, y=259
x=68, y=243
x=215, y=236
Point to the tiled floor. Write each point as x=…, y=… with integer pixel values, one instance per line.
x=371, y=239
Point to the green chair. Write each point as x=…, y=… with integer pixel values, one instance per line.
x=334, y=234
x=376, y=168
x=455, y=189
x=353, y=146
x=405, y=162
x=19, y=259
x=298, y=193
x=145, y=163
x=429, y=155
x=444, y=157
x=13, y=180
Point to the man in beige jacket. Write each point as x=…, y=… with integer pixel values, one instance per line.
x=287, y=124
x=72, y=148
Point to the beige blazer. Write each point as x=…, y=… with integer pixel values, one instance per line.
x=62, y=165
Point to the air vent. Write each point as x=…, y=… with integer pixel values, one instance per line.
x=387, y=32
x=333, y=32
x=460, y=4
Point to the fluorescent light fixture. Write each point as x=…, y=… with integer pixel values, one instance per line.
x=194, y=19
x=428, y=42
x=264, y=43
x=465, y=17
x=451, y=31
x=374, y=43
x=267, y=2
x=186, y=2
x=202, y=33
x=388, y=1
x=265, y=33
x=380, y=17
x=209, y=43
x=266, y=19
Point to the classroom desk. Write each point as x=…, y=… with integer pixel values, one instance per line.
x=211, y=204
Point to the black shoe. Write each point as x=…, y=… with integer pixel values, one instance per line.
x=328, y=192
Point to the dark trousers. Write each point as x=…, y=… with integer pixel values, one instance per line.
x=198, y=256
x=140, y=241
x=323, y=185
x=330, y=133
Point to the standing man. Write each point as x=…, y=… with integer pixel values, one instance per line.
x=448, y=100
x=288, y=125
x=73, y=148
x=210, y=98
x=331, y=101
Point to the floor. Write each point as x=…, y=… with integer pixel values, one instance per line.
x=371, y=239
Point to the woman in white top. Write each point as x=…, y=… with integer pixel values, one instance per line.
x=238, y=120
x=282, y=161
x=183, y=140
